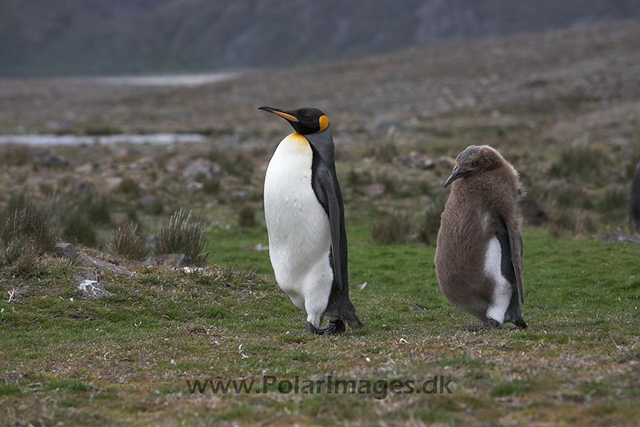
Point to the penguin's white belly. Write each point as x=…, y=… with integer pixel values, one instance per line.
x=298, y=228
x=502, y=288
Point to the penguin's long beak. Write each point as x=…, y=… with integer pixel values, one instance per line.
x=456, y=174
x=282, y=113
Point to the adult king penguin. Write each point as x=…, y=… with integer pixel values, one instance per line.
x=305, y=222
x=479, y=256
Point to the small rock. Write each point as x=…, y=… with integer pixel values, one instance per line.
x=194, y=186
x=375, y=189
x=147, y=201
x=199, y=169
x=87, y=283
x=532, y=213
x=261, y=247
x=173, y=165
x=85, y=273
x=446, y=162
x=621, y=142
x=619, y=238
x=536, y=83
x=24, y=290
x=85, y=168
x=66, y=250
x=168, y=260
x=418, y=160
x=388, y=126
x=93, y=289
x=153, y=243
x=144, y=163
x=192, y=270
x=238, y=194
x=83, y=187
x=114, y=182
x=100, y=265
x=70, y=251
x=54, y=161
x=150, y=204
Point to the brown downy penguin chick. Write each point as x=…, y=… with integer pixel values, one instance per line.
x=635, y=200
x=479, y=256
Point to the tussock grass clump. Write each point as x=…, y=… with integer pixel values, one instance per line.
x=571, y=196
x=76, y=217
x=356, y=179
x=150, y=205
x=392, y=230
x=238, y=164
x=128, y=242
x=514, y=388
x=428, y=232
x=353, y=178
x=572, y=222
x=390, y=185
x=386, y=152
x=77, y=226
x=22, y=219
x=613, y=204
x=184, y=235
x=129, y=186
x=211, y=186
x=15, y=155
x=564, y=221
x=26, y=234
x=583, y=164
x=97, y=206
x=21, y=254
x=247, y=217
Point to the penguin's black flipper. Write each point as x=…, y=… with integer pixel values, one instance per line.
x=517, y=257
x=334, y=210
x=513, y=313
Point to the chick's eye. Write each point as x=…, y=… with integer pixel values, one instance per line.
x=474, y=163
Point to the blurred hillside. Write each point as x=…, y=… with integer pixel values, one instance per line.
x=563, y=106
x=128, y=36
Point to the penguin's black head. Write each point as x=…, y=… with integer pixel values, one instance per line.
x=304, y=120
x=474, y=160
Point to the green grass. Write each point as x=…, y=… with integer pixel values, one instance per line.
x=124, y=360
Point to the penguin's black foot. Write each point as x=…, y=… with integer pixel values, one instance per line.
x=489, y=324
x=313, y=330
x=334, y=327
x=520, y=323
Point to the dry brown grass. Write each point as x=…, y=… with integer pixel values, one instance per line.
x=128, y=242
x=185, y=235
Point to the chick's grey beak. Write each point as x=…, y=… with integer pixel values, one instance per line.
x=280, y=112
x=456, y=174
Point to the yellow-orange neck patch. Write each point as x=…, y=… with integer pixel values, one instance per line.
x=298, y=139
x=324, y=122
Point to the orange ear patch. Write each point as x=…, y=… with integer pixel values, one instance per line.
x=324, y=122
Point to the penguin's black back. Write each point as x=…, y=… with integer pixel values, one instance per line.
x=323, y=166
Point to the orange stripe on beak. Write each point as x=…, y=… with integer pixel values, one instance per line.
x=286, y=116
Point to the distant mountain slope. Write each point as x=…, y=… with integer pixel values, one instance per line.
x=126, y=36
